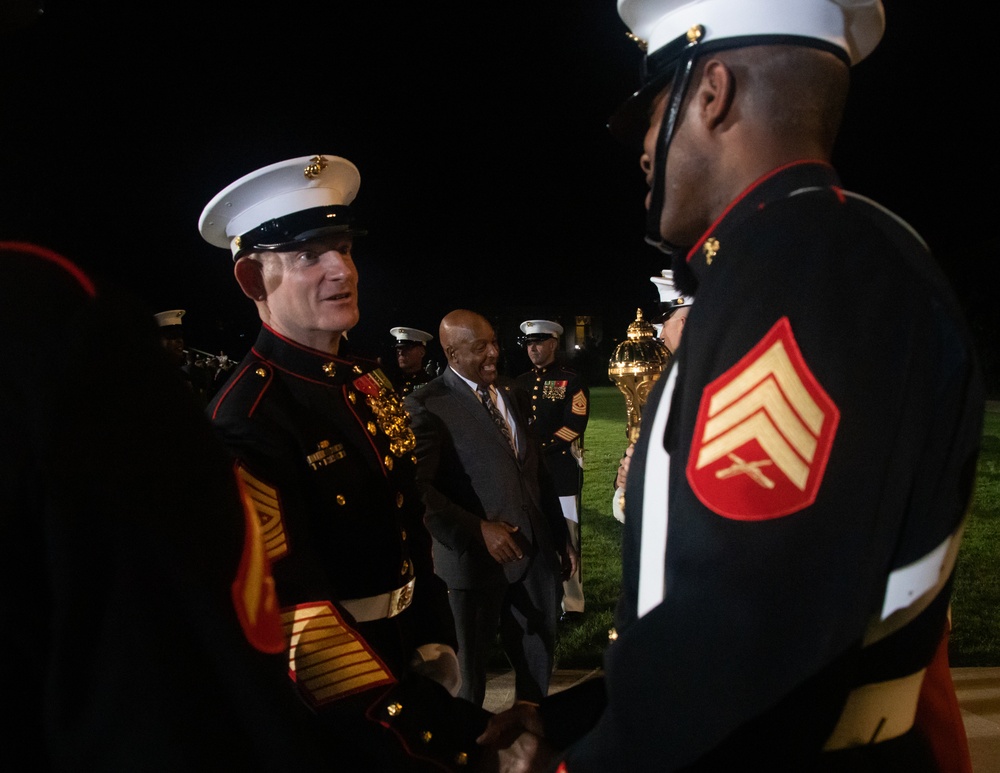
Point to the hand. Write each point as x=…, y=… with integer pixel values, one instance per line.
x=570, y=561
x=438, y=662
x=515, y=741
x=527, y=753
x=622, y=475
x=499, y=540
x=504, y=727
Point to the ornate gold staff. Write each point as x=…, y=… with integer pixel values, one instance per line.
x=634, y=368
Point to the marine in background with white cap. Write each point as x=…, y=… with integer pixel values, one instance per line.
x=800, y=483
x=411, y=350
x=324, y=445
x=672, y=311
x=560, y=409
x=171, y=327
x=199, y=374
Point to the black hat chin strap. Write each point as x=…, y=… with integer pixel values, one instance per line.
x=678, y=88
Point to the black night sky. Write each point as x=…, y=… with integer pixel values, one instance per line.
x=488, y=179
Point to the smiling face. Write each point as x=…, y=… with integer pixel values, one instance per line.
x=471, y=346
x=311, y=292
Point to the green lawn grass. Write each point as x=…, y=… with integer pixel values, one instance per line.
x=975, y=632
x=975, y=637
x=581, y=645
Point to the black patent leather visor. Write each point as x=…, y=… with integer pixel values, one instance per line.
x=297, y=227
x=629, y=122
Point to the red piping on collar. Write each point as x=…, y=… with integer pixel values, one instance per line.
x=303, y=347
x=743, y=195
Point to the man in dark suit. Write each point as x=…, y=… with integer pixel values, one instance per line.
x=500, y=540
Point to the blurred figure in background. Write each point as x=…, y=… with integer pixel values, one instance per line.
x=672, y=310
x=172, y=335
x=142, y=631
x=411, y=351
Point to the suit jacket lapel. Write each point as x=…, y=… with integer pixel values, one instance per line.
x=519, y=428
x=470, y=401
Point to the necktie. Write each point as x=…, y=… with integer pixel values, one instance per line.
x=494, y=412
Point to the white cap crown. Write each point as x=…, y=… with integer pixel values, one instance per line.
x=410, y=335
x=670, y=296
x=855, y=26
x=168, y=318
x=541, y=328
x=277, y=191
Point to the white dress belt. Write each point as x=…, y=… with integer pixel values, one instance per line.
x=381, y=606
x=877, y=712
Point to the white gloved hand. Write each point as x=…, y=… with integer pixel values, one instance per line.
x=440, y=663
x=618, y=504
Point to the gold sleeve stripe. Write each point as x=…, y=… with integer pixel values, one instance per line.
x=327, y=659
x=579, y=406
x=565, y=433
x=272, y=525
x=254, y=597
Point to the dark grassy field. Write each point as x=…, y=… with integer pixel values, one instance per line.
x=976, y=600
x=975, y=632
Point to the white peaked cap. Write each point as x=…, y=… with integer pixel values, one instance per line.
x=670, y=296
x=167, y=318
x=856, y=26
x=405, y=334
x=541, y=328
x=276, y=191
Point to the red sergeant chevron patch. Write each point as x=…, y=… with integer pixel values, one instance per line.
x=764, y=432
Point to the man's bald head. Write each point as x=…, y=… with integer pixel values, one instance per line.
x=457, y=326
x=470, y=344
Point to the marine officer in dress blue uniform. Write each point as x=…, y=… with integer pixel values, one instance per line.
x=324, y=446
x=560, y=410
x=799, y=487
x=410, y=349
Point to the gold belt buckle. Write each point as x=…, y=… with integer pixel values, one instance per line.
x=401, y=598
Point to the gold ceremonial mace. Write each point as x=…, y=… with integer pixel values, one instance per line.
x=634, y=367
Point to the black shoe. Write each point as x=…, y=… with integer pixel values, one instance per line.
x=571, y=617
